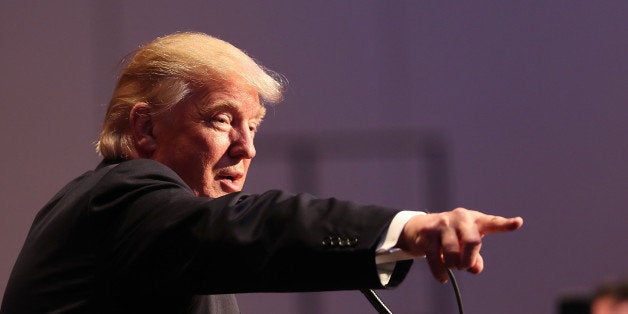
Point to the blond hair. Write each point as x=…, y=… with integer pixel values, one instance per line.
x=171, y=69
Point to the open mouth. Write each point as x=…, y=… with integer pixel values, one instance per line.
x=230, y=181
x=231, y=177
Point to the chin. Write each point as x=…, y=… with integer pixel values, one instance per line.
x=214, y=193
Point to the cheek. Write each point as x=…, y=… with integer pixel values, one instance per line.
x=180, y=153
x=214, y=145
x=205, y=144
x=247, y=163
x=199, y=151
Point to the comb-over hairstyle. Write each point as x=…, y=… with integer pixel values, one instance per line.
x=172, y=69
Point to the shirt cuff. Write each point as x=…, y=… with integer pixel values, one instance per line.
x=386, y=254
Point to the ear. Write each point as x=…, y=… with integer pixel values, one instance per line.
x=141, y=123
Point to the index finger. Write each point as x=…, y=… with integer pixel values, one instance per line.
x=494, y=224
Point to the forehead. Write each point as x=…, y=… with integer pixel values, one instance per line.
x=233, y=95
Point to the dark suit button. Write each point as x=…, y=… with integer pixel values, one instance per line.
x=326, y=241
x=340, y=241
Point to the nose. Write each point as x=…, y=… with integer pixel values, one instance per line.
x=242, y=145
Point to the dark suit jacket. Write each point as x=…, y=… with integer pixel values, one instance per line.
x=133, y=238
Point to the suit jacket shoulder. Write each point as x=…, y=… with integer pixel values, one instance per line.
x=132, y=234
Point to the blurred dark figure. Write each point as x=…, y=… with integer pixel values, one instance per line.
x=608, y=298
x=611, y=298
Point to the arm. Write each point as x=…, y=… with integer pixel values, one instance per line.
x=275, y=241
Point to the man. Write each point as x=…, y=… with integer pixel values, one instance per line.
x=611, y=298
x=161, y=225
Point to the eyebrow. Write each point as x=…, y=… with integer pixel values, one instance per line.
x=226, y=105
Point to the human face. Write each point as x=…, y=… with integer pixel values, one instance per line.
x=209, y=143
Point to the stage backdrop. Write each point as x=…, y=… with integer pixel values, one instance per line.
x=528, y=98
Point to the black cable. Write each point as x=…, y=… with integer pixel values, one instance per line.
x=381, y=308
x=376, y=302
x=454, y=284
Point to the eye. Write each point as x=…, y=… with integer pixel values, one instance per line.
x=222, y=118
x=254, y=126
x=220, y=121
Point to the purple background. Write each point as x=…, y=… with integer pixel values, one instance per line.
x=530, y=95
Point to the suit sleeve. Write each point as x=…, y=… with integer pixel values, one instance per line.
x=163, y=238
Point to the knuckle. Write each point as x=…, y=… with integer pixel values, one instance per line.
x=444, y=221
x=472, y=241
x=461, y=211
